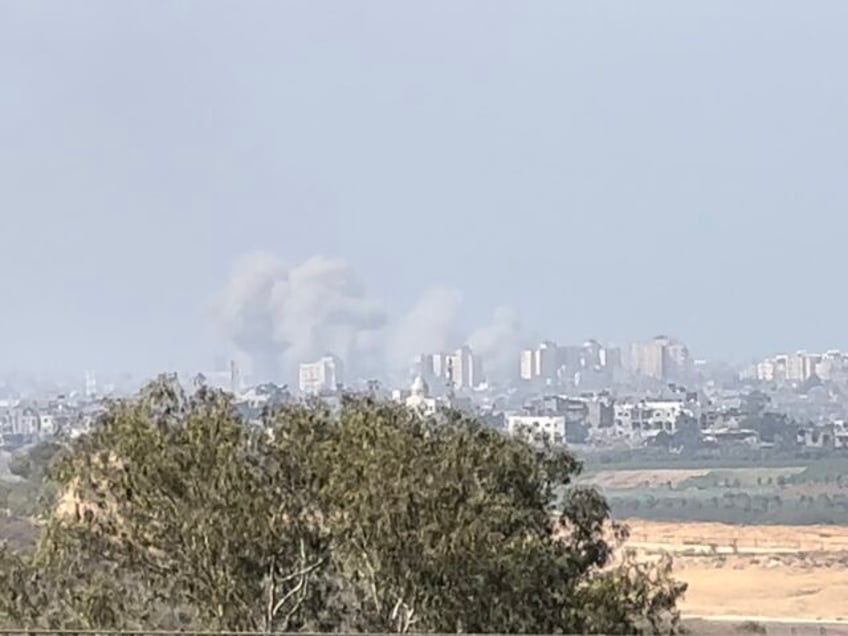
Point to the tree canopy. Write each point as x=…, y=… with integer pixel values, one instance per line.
x=173, y=513
x=32, y=464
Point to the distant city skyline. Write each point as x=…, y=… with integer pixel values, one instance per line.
x=660, y=168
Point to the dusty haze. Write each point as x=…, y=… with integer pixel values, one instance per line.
x=605, y=170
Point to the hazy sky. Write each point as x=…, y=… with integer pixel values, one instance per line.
x=614, y=169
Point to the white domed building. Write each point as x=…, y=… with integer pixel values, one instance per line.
x=419, y=398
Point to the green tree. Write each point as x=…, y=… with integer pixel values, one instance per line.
x=32, y=465
x=174, y=512
x=185, y=507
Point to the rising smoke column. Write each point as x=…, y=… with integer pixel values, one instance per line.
x=499, y=344
x=324, y=308
x=280, y=317
x=429, y=326
x=245, y=314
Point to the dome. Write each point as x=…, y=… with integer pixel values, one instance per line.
x=419, y=387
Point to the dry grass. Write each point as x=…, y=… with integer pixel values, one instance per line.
x=638, y=478
x=778, y=572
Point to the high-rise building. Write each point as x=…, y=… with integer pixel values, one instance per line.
x=593, y=353
x=527, y=366
x=831, y=365
x=647, y=358
x=765, y=370
x=460, y=369
x=322, y=376
x=801, y=366
x=90, y=384
x=662, y=358
x=611, y=358
x=572, y=357
x=547, y=361
x=541, y=363
x=424, y=366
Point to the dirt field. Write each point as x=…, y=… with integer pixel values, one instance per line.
x=754, y=572
x=638, y=478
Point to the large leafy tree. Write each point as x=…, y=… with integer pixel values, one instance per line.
x=32, y=465
x=174, y=512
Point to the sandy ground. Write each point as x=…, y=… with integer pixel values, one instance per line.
x=782, y=573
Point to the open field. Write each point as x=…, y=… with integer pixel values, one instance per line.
x=815, y=492
x=639, y=478
x=782, y=573
x=653, y=477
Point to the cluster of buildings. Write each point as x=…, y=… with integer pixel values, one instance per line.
x=662, y=358
x=550, y=364
x=595, y=395
x=592, y=364
x=458, y=370
x=588, y=366
x=601, y=396
x=322, y=376
x=672, y=418
x=674, y=422
x=28, y=421
x=601, y=420
x=801, y=367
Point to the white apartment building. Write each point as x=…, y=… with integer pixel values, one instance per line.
x=801, y=366
x=460, y=369
x=648, y=417
x=28, y=423
x=541, y=363
x=324, y=375
x=610, y=358
x=648, y=359
x=833, y=363
x=464, y=369
x=537, y=428
x=662, y=358
x=47, y=424
x=766, y=370
x=527, y=364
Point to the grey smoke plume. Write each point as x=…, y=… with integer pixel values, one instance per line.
x=246, y=315
x=281, y=316
x=278, y=317
x=430, y=326
x=499, y=344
